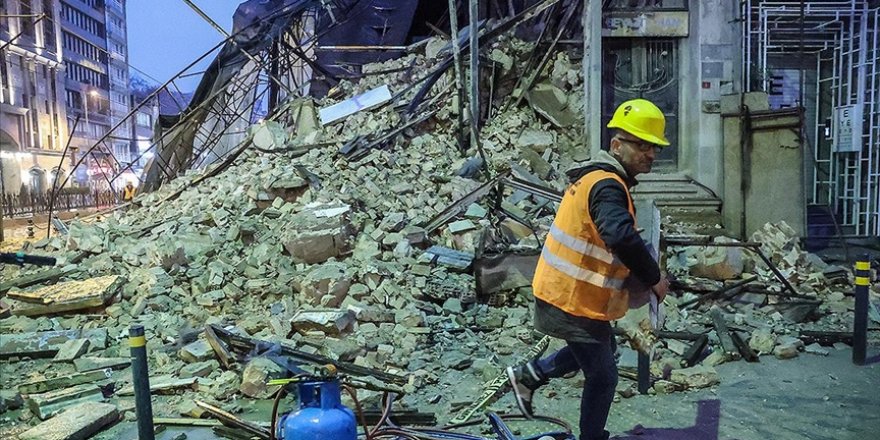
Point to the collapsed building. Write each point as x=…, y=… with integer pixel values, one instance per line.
x=367, y=225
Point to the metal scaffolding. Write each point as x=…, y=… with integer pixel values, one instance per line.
x=220, y=121
x=837, y=43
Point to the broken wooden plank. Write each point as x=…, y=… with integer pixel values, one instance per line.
x=730, y=351
x=227, y=359
x=693, y=353
x=162, y=385
x=42, y=386
x=743, y=347
x=229, y=419
x=825, y=338
x=47, y=344
x=48, y=404
x=185, y=421
x=71, y=350
x=37, y=278
x=66, y=296
x=76, y=423
x=99, y=363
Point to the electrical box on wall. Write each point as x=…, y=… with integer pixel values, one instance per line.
x=847, y=129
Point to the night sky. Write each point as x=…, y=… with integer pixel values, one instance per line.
x=164, y=36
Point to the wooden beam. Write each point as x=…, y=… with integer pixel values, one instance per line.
x=76, y=423
x=731, y=352
x=694, y=352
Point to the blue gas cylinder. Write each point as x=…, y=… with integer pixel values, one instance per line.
x=321, y=414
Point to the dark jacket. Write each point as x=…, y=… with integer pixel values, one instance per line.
x=609, y=209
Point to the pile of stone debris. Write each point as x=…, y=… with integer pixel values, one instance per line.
x=360, y=243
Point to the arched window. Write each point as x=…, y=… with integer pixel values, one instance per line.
x=56, y=178
x=37, y=181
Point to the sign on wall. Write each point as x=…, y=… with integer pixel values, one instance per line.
x=847, y=129
x=645, y=24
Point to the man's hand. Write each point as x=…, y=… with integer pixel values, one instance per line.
x=661, y=288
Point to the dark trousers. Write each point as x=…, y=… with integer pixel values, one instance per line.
x=597, y=361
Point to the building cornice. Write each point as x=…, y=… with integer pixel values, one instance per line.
x=42, y=59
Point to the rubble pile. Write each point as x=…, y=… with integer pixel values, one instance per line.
x=298, y=245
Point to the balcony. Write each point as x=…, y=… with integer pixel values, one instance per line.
x=96, y=13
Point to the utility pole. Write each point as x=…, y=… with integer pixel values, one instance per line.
x=474, y=16
x=592, y=73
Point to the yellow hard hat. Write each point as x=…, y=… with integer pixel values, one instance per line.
x=642, y=119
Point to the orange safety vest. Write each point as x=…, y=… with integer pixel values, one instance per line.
x=128, y=193
x=576, y=271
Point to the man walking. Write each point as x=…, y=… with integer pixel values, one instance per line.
x=128, y=192
x=592, y=248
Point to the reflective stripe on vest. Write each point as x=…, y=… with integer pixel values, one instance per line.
x=579, y=273
x=576, y=272
x=581, y=246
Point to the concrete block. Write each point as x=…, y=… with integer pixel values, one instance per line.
x=71, y=350
x=198, y=351
x=699, y=376
x=77, y=423
x=332, y=322
x=48, y=404
x=100, y=363
x=256, y=374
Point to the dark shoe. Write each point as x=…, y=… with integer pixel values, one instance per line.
x=525, y=379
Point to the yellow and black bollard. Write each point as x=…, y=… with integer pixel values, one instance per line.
x=141, y=378
x=860, y=324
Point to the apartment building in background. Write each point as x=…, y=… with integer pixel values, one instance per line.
x=96, y=87
x=33, y=115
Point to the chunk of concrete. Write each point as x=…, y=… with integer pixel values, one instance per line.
x=101, y=363
x=332, y=322
x=66, y=296
x=552, y=103
x=47, y=344
x=77, y=423
x=256, y=374
x=198, y=351
x=318, y=234
x=699, y=376
x=198, y=369
x=762, y=341
x=48, y=404
x=787, y=347
x=329, y=279
x=71, y=350
x=42, y=386
x=716, y=262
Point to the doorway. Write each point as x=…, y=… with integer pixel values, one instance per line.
x=642, y=68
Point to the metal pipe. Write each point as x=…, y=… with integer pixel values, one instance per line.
x=459, y=77
x=860, y=321
x=644, y=372
x=140, y=377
